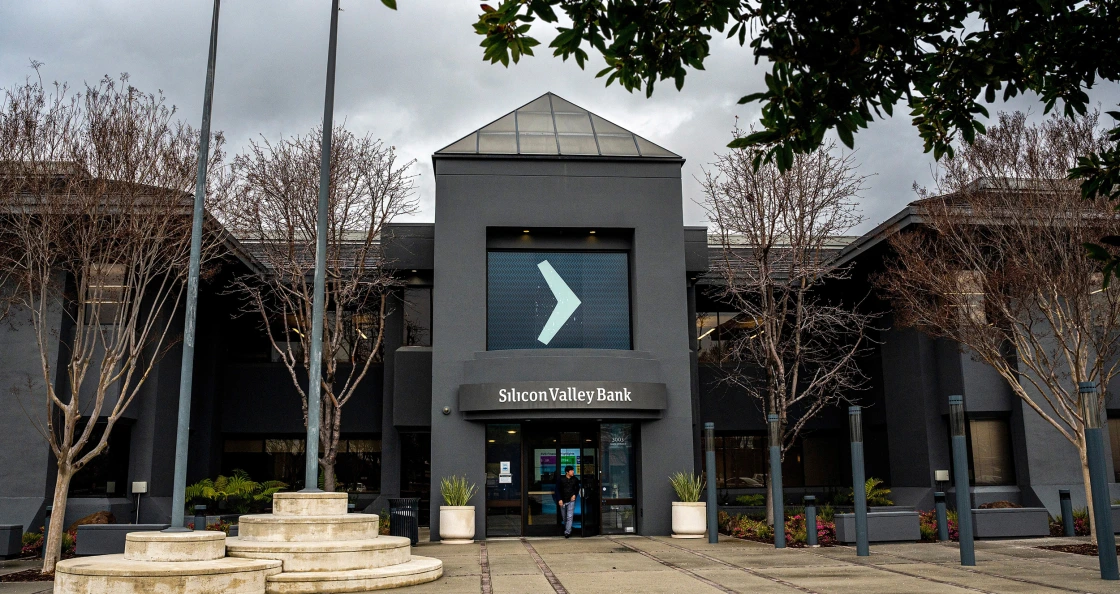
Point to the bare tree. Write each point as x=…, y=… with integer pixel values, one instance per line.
x=95, y=223
x=998, y=266
x=798, y=352
x=274, y=206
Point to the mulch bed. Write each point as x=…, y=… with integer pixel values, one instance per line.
x=1078, y=549
x=28, y=575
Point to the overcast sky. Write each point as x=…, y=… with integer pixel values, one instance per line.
x=414, y=78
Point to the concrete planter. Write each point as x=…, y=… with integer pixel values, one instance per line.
x=11, y=540
x=690, y=519
x=886, y=526
x=1020, y=522
x=108, y=539
x=456, y=524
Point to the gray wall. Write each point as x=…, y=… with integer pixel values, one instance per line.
x=25, y=465
x=473, y=194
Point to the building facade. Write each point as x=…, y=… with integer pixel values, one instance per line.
x=557, y=313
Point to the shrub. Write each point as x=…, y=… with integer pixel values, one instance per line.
x=826, y=513
x=1080, y=523
x=456, y=491
x=237, y=493
x=999, y=505
x=927, y=525
x=32, y=543
x=746, y=527
x=383, y=523
x=219, y=526
x=688, y=486
x=752, y=500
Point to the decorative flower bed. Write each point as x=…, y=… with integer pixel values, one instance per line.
x=748, y=528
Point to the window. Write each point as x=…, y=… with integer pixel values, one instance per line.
x=990, y=461
x=557, y=300
x=969, y=299
x=717, y=331
x=1114, y=438
x=105, y=292
x=105, y=475
x=741, y=461
x=357, y=466
x=418, y=316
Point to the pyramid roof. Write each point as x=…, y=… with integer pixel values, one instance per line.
x=549, y=125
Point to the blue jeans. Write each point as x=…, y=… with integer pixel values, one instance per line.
x=569, y=512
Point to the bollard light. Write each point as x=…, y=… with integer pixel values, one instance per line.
x=710, y=464
x=942, y=516
x=776, y=481
x=859, y=480
x=811, y=520
x=200, y=517
x=1098, y=480
x=960, y=476
x=1068, y=525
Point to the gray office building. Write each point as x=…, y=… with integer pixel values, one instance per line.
x=557, y=313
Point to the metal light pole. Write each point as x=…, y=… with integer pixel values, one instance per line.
x=186, y=377
x=1098, y=481
x=710, y=463
x=776, y=481
x=859, y=490
x=315, y=369
x=960, y=480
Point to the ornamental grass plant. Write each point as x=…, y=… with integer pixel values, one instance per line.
x=688, y=486
x=456, y=491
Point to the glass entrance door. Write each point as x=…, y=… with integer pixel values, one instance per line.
x=618, y=476
x=524, y=462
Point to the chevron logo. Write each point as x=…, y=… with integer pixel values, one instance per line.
x=566, y=302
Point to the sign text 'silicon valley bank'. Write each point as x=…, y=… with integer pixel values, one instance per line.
x=568, y=394
x=521, y=396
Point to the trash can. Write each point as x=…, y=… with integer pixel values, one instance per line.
x=403, y=518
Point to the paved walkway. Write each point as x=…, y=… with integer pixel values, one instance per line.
x=612, y=565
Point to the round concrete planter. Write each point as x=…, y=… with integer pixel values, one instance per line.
x=690, y=519
x=456, y=524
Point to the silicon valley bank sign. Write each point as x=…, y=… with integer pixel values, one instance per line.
x=577, y=395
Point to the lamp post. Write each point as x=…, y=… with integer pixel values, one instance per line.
x=1098, y=481
x=315, y=367
x=776, y=481
x=710, y=463
x=960, y=478
x=186, y=372
x=859, y=490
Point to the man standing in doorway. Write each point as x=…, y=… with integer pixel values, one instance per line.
x=566, y=490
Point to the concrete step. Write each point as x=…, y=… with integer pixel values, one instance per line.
x=274, y=528
x=113, y=574
x=418, y=570
x=343, y=555
x=202, y=545
x=302, y=503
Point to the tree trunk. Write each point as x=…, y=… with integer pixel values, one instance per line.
x=1081, y=451
x=52, y=548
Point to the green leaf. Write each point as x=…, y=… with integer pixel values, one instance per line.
x=390, y=3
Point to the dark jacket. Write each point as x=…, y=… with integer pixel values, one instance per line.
x=566, y=487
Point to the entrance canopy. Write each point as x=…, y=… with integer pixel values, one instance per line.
x=549, y=125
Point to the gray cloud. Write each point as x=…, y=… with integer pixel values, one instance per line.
x=414, y=77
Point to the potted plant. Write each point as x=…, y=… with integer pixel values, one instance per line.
x=456, y=517
x=689, y=514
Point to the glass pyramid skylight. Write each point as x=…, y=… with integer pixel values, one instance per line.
x=549, y=125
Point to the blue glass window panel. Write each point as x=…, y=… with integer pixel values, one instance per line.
x=520, y=302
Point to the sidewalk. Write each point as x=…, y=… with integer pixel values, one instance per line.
x=612, y=565
x=609, y=565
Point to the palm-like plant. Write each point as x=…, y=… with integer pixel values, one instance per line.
x=688, y=486
x=240, y=493
x=877, y=494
